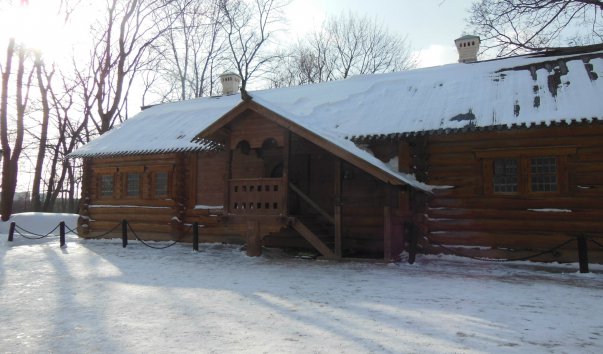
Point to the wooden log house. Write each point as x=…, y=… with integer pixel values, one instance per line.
x=498, y=159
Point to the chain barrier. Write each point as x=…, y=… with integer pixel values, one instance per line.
x=500, y=260
x=93, y=237
x=157, y=247
x=18, y=229
x=595, y=242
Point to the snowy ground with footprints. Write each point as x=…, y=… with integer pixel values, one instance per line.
x=94, y=296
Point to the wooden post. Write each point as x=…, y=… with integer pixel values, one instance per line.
x=412, y=245
x=228, y=172
x=285, y=177
x=253, y=239
x=11, y=231
x=337, y=211
x=62, y=233
x=124, y=233
x=387, y=234
x=583, y=254
x=196, y=236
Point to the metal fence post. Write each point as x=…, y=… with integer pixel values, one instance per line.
x=11, y=231
x=62, y=233
x=196, y=236
x=124, y=233
x=583, y=254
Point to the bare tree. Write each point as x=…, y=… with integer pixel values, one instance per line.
x=249, y=26
x=187, y=54
x=345, y=45
x=44, y=81
x=11, y=154
x=120, y=47
x=515, y=26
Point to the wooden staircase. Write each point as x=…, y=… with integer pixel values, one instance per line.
x=317, y=234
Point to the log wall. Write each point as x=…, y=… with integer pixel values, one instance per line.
x=148, y=214
x=515, y=225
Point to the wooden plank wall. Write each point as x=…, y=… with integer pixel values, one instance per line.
x=363, y=197
x=467, y=215
x=363, y=201
x=211, y=178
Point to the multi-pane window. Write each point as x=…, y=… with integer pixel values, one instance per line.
x=543, y=174
x=161, y=184
x=524, y=174
x=133, y=185
x=505, y=176
x=106, y=185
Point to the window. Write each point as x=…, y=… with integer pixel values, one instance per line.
x=523, y=171
x=523, y=175
x=161, y=184
x=133, y=185
x=106, y=185
x=505, y=176
x=543, y=174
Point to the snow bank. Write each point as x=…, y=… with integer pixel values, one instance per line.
x=40, y=223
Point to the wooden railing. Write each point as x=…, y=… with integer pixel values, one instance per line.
x=260, y=196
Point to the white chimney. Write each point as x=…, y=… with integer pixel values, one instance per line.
x=467, y=47
x=230, y=83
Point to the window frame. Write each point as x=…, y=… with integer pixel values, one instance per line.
x=154, y=184
x=101, y=194
x=138, y=193
x=524, y=158
x=153, y=171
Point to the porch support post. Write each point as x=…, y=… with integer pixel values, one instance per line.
x=337, y=211
x=253, y=238
x=393, y=229
x=285, y=177
x=387, y=234
x=228, y=178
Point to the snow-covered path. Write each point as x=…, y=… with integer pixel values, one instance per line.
x=95, y=296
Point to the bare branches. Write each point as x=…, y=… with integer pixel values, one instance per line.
x=249, y=28
x=345, y=45
x=121, y=42
x=186, y=56
x=514, y=26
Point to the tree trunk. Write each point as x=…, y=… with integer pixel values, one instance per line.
x=35, y=190
x=7, y=195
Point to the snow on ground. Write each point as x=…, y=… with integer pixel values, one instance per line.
x=95, y=296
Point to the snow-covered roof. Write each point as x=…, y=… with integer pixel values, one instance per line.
x=455, y=96
x=169, y=127
x=524, y=90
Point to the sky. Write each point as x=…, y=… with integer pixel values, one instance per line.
x=431, y=25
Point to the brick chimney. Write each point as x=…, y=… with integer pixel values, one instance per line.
x=467, y=46
x=230, y=83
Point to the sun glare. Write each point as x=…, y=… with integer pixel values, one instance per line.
x=37, y=26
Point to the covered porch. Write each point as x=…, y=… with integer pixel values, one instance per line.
x=290, y=190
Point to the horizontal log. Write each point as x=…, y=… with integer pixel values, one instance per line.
x=134, y=217
x=157, y=212
x=562, y=256
x=460, y=143
x=149, y=204
x=514, y=225
x=515, y=240
x=512, y=215
x=585, y=130
x=521, y=203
